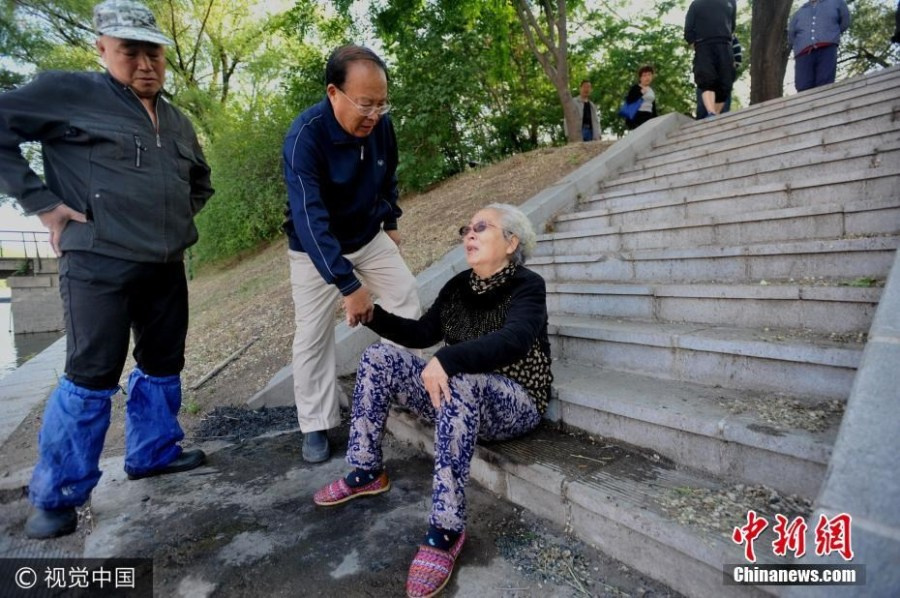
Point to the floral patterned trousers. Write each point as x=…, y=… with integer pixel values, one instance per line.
x=486, y=406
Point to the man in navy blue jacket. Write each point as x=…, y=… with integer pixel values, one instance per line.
x=814, y=33
x=340, y=162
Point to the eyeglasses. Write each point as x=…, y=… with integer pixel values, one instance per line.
x=479, y=227
x=379, y=110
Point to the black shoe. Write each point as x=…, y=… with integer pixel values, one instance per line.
x=315, y=447
x=47, y=523
x=186, y=461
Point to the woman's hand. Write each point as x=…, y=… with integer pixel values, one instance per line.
x=436, y=382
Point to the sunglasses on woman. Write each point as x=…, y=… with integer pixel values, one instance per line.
x=479, y=227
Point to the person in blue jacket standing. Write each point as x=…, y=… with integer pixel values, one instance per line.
x=340, y=162
x=814, y=33
x=124, y=178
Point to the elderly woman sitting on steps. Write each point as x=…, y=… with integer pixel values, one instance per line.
x=490, y=380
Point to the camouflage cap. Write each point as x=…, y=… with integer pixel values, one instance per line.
x=128, y=19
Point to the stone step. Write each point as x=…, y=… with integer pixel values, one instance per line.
x=842, y=98
x=843, y=259
x=822, y=221
x=868, y=122
x=676, y=204
x=785, y=121
x=879, y=157
x=763, y=438
x=840, y=310
x=801, y=362
x=670, y=523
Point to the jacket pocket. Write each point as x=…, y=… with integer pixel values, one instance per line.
x=185, y=160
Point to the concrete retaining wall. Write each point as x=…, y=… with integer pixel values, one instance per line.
x=36, y=304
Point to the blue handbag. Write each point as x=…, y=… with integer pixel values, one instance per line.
x=629, y=111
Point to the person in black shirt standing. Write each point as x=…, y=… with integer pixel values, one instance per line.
x=709, y=27
x=590, y=124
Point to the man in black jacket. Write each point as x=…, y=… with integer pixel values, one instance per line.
x=125, y=176
x=709, y=27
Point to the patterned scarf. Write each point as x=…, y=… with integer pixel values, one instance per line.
x=483, y=285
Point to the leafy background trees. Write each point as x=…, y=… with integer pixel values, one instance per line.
x=472, y=81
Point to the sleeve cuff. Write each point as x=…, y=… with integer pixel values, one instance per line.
x=347, y=286
x=40, y=202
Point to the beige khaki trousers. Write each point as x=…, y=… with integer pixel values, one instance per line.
x=380, y=267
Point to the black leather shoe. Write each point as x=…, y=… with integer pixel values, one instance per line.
x=44, y=524
x=315, y=447
x=186, y=461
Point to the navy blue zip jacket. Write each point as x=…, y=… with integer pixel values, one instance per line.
x=341, y=190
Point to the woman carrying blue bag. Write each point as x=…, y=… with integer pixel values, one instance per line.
x=640, y=102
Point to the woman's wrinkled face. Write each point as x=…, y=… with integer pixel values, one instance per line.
x=487, y=249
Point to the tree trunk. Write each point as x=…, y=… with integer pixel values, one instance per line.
x=551, y=47
x=570, y=113
x=769, y=50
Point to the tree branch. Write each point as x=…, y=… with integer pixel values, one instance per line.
x=196, y=51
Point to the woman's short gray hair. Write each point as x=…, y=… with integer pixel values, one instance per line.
x=514, y=222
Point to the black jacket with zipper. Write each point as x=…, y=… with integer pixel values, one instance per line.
x=138, y=185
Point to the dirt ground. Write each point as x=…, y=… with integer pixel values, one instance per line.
x=246, y=302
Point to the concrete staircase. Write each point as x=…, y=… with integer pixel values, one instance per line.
x=709, y=308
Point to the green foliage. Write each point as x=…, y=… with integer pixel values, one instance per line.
x=867, y=45
x=620, y=47
x=248, y=206
x=465, y=86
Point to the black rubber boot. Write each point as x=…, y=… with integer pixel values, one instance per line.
x=44, y=524
x=186, y=461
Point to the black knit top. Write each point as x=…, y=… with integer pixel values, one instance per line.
x=493, y=326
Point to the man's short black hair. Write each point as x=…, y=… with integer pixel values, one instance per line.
x=340, y=59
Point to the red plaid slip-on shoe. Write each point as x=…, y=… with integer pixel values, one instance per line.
x=431, y=569
x=338, y=492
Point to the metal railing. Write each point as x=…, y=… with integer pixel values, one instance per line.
x=27, y=245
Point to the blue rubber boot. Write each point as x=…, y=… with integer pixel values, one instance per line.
x=70, y=441
x=151, y=423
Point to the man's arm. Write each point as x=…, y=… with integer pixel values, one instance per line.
x=844, y=14
x=310, y=216
x=389, y=189
x=23, y=119
x=792, y=29
x=690, y=31
x=201, y=188
x=733, y=17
